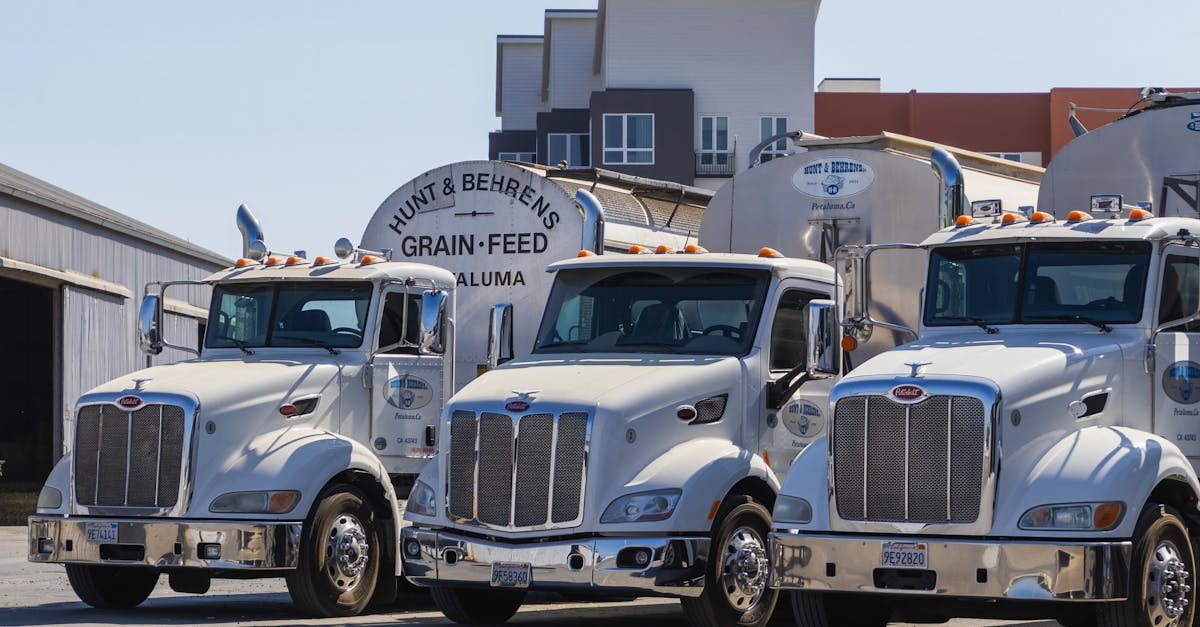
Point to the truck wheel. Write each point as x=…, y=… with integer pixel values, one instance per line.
x=831, y=609
x=111, y=586
x=735, y=580
x=1162, y=586
x=339, y=555
x=477, y=606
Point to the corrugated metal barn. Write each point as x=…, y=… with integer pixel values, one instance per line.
x=72, y=274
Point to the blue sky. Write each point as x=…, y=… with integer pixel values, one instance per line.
x=313, y=112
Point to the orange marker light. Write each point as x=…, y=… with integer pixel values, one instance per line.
x=368, y=259
x=663, y=249
x=585, y=253
x=1139, y=214
x=637, y=250
x=1008, y=218
x=849, y=343
x=694, y=248
x=320, y=261
x=273, y=261
x=1106, y=515
x=1078, y=216
x=243, y=262
x=769, y=252
x=962, y=221
x=1040, y=216
x=712, y=511
x=293, y=260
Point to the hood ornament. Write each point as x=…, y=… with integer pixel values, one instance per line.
x=917, y=366
x=525, y=395
x=138, y=383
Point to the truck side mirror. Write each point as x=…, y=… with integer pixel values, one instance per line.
x=433, y=307
x=500, y=334
x=821, y=337
x=150, y=325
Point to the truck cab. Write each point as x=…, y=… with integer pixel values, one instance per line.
x=1034, y=452
x=635, y=450
x=278, y=451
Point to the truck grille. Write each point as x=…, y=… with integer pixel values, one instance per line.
x=921, y=462
x=128, y=459
x=524, y=472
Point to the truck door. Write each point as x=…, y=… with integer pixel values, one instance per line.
x=804, y=416
x=1177, y=352
x=406, y=390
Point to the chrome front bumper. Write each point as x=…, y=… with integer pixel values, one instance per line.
x=243, y=545
x=675, y=566
x=995, y=569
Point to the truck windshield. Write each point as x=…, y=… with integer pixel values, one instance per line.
x=1037, y=283
x=678, y=310
x=324, y=315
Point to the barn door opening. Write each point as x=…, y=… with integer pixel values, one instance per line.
x=27, y=381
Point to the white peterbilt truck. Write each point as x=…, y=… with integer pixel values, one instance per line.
x=285, y=448
x=638, y=449
x=1034, y=452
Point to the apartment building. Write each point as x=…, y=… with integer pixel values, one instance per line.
x=680, y=90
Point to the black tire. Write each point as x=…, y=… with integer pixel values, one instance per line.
x=831, y=609
x=111, y=586
x=477, y=606
x=739, y=540
x=1159, y=538
x=339, y=555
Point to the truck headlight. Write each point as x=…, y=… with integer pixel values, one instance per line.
x=789, y=509
x=257, y=502
x=1091, y=516
x=49, y=498
x=642, y=507
x=421, y=500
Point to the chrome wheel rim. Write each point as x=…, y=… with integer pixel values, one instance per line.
x=1168, y=586
x=347, y=552
x=744, y=569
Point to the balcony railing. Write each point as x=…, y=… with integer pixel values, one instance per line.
x=714, y=164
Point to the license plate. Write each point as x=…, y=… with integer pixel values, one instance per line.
x=101, y=532
x=905, y=555
x=510, y=575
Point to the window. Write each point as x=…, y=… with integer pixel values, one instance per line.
x=1031, y=158
x=629, y=138
x=788, y=331
x=399, y=330
x=714, y=140
x=1179, y=291
x=574, y=148
x=326, y=315
x=770, y=125
x=524, y=157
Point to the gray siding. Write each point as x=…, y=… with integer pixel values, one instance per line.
x=673, y=110
x=559, y=121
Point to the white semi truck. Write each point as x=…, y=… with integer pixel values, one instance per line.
x=285, y=448
x=638, y=449
x=1034, y=453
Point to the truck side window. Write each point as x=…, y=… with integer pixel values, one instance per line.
x=1180, y=291
x=787, y=331
x=392, y=324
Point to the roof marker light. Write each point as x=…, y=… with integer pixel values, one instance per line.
x=694, y=249
x=243, y=262
x=585, y=253
x=663, y=249
x=962, y=221
x=1078, y=216
x=293, y=260
x=769, y=252
x=1039, y=217
x=320, y=261
x=639, y=250
x=366, y=259
x=1012, y=218
x=1138, y=215
x=273, y=261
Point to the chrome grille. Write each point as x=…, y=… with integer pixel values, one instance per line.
x=128, y=459
x=524, y=472
x=921, y=462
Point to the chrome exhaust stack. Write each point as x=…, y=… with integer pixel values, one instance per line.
x=952, y=195
x=593, y=221
x=251, y=231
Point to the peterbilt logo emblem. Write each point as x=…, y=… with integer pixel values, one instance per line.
x=517, y=406
x=907, y=392
x=129, y=402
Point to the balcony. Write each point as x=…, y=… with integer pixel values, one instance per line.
x=713, y=164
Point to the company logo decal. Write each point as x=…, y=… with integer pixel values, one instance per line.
x=833, y=177
x=407, y=392
x=803, y=419
x=1194, y=125
x=129, y=402
x=517, y=406
x=1181, y=382
x=907, y=392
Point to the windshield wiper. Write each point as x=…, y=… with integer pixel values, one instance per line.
x=240, y=344
x=309, y=340
x=560, y=343
x=670, y=348
x=976, y=321
x=1072, y=318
